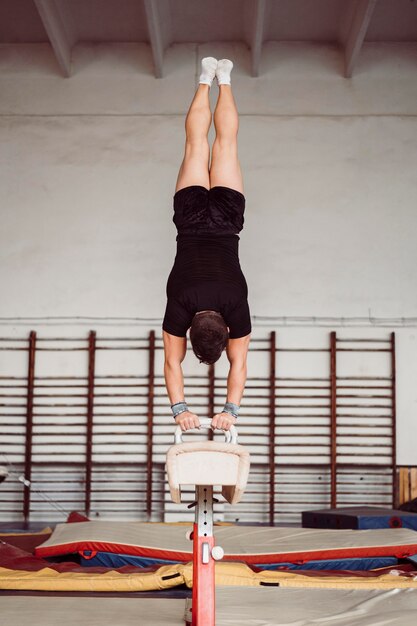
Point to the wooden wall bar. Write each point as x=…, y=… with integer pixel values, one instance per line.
x=90, y=426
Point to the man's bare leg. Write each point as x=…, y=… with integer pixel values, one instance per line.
x=194, y=168
x=225, y=167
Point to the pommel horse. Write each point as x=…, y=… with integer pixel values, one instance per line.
x=206, y=464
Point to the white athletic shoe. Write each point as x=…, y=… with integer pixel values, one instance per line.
x=224, y=68
x=208, y=70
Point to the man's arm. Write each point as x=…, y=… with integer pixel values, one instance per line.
x=175, y=349
x=236, y=350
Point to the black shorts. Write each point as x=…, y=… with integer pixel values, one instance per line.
x=218, y=210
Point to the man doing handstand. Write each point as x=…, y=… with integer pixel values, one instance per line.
x=206, y=290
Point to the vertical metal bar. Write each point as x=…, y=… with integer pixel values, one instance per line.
x=394, y=423
x=333, y=425
x=272, y=407
x=211, y=389
x=203, y=607
x=149, y=451
x=29, y=424
x=90, y=418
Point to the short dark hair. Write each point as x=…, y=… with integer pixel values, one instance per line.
x=209, y=335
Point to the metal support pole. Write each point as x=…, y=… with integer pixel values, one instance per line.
x=272, y=407
x=90, y=415
x=29, y=425
x=211, y=386
x=149, y=446
x=333, y=410
x=203, y=608
x=393, y=423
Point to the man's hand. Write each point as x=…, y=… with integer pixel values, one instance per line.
x=187, y=420
x=223, y=421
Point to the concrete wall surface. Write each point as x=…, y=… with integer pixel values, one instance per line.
x=88, y=167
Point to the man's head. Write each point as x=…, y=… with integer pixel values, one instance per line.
x=208, y=335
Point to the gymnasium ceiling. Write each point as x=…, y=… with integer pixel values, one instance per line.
x=161, y=23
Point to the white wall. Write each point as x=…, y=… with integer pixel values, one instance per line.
x=88, y=167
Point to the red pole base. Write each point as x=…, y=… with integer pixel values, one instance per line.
x=203, y=610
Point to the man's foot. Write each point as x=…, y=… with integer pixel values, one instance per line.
x=224, y=68
x=208, y=70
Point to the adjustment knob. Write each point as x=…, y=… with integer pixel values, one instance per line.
x=217, y=553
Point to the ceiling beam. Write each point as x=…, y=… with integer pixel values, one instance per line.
x=159, y=29
x=356, y=33
x=257, y=34
x=58, y=33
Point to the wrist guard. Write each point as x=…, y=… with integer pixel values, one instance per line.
x=179, y=407
x=232, y=408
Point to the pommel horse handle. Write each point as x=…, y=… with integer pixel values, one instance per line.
x=229, y=435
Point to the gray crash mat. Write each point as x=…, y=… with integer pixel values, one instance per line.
x=315, y=607
x=236, y=606
x=241, y=543
x=70, y=611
